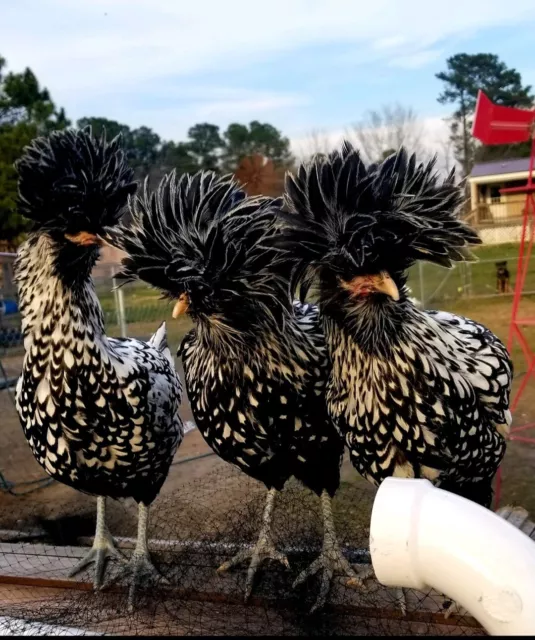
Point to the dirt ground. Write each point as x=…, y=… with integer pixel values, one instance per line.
x=195, y=479
x=519, y=463
x=56, y=501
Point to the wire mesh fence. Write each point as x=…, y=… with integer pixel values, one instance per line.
x=206, y=511
x=197, y=524
x=491, y=277
x=135, y=309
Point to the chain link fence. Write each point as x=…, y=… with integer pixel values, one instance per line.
x=136, y=310
x=435, y=287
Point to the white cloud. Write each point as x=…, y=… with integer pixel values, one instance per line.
x=103, y=45
x=221, y=105
x=391, y=42
x=128, y=59
x=416, y=60
x=249, y=106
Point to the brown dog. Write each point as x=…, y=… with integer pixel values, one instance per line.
x=502, y=277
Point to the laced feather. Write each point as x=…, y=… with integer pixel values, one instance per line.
x=201, y=235
x=71, y=182
x=354, y=218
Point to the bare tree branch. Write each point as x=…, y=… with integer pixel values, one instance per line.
x=446, y=153
x=317, y=142
x=384, y=130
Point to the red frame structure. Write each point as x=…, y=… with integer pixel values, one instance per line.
x=496, y=124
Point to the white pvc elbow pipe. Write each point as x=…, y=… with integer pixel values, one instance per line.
x=422, y=537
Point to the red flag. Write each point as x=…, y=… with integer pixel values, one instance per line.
x=496, y=124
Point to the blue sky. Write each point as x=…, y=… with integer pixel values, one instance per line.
x=302, y=65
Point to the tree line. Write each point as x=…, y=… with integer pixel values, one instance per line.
x=257, y=153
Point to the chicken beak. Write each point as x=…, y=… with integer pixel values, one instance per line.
x=84, y=239
x=377, y=283
x=181, y=306
x=385, y=284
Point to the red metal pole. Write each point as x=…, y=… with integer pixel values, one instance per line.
x=531, y=159
x=518, y=288
x=523, y=262
x=527, y=256
x=525, y=381
x=487, y=130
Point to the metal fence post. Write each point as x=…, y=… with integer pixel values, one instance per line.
x=469, y=278
x=422, y=287
x=119, y=306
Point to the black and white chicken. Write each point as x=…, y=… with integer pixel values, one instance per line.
x=417, y=394
x=255, y=362
x=100, y=414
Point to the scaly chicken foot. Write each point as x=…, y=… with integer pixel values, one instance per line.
x=264, y=549
x=140, y=567
x=103, y=548
x=331, y=560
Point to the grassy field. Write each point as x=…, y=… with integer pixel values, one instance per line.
x=144, y=312
x=436, y=286
x=445, y=289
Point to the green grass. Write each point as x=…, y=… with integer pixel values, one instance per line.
x=444, y=288
x=145, y=311
x=467, y=280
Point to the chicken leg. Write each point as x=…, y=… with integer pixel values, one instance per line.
x=331, y=560
x=102, y=550
x=263, y=550
x=140, y=566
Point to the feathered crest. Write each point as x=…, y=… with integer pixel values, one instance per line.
x=72, y=182
x=201, y=235
x=386, y=216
